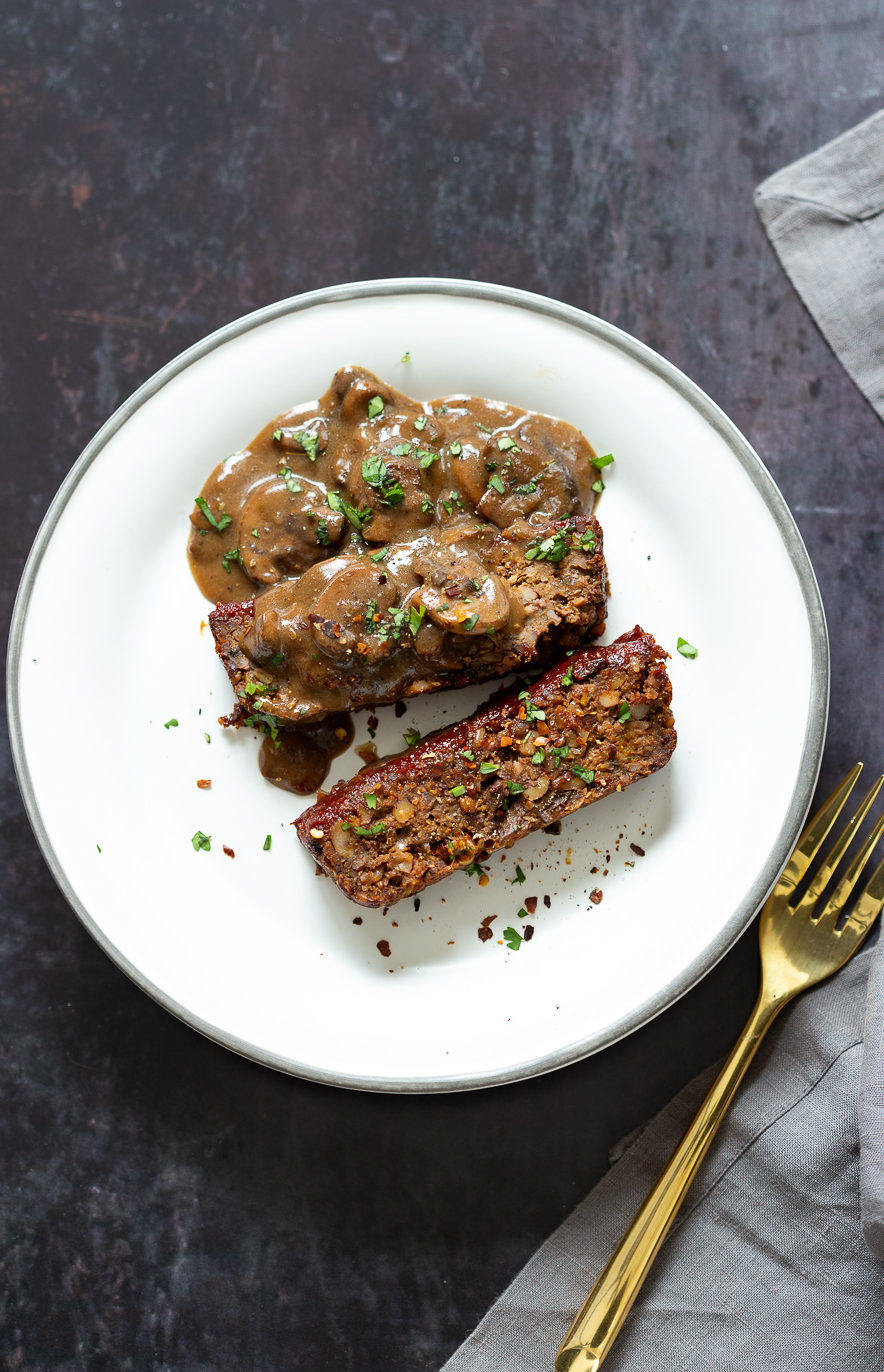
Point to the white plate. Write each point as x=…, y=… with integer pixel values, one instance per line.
x=259, y=953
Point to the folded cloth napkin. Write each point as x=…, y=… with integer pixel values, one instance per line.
x=767, y=1246
x=824, y=216
x=769, y=1243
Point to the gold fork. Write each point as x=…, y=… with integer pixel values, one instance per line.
x=800, y=946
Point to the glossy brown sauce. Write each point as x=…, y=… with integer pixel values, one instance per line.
x=298, y=759
x=368, y=501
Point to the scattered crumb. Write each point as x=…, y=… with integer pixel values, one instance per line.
x=484, y=930
x=547, y=902
x=640, y=852
x=357, y=919
x=394, y=924
x=228, y=851
x=417, y=904
x=384, y=948
x=531, y=904
x=596, y=896
x=399, y=709
x=451, y=943
x=368, y=752
x=528, y=932
x=204, y=784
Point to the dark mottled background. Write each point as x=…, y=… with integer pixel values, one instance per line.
x=164, y=1205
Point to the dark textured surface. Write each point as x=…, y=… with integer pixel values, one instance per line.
x=163, y=1204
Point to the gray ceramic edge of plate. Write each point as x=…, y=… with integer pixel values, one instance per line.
x=816, y=717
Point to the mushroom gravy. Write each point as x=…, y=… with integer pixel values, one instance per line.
x=368, y=527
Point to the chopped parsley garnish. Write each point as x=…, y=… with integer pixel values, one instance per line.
x=309, y=442
x=568, y=675
x=256, y=688
x=475, y=869
x=219, y=524
x=518, y=878
x=559, y=753
x=323, y=536
x=584, y=773
x=375, y=473
x=495, y=484
x=507, y=444
x=171, y=724
x=268, y=724
x=379, y=555
x=514, y=788
x=470, y=622
x=624, y=713
x=277, y=659
x=415, y=617
x=455, y=498
x=267, y=842
x=421, y=422
x=426, y=506
x=370, y=799
x=531, y=710
x=455, y=448
x=232, y=555
x=484, y=428
x=587, y=541
x=207, y=737
x=551, y=549
x=538, y=756
x=486, y=768
x=372, y=832
x=468, y=754
x=512, y=939
x=458, y=791
x=406, y=357
x=202, y=841
x=357, y=518
x=375, y=406
x=255, y=533
x=427, y=458
x=598, y=486
x=686, y=649
x=600, y=462
x=401, y=450
x=288, y=477
x=412, y=736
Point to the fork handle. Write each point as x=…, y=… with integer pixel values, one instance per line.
x=598, y=1321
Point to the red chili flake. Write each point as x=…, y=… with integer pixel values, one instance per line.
x=530, y=904
x=384, y=948
x=635, y=848
x=484, y=930
x=372, y=722
x=228, y=851
x=596, y=896
x=528, y=932
x=204, y=784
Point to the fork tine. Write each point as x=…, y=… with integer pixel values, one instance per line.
x=868, y=906
x=826, y=870
x=845, y=886
x=816, y=831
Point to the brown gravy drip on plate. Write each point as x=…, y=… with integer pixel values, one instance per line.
x=298, y=759
x=369, y=498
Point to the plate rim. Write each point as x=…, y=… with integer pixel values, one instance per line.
x=814, y=738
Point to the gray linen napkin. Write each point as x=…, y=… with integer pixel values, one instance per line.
x=824, y=216
x=767, y=1245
